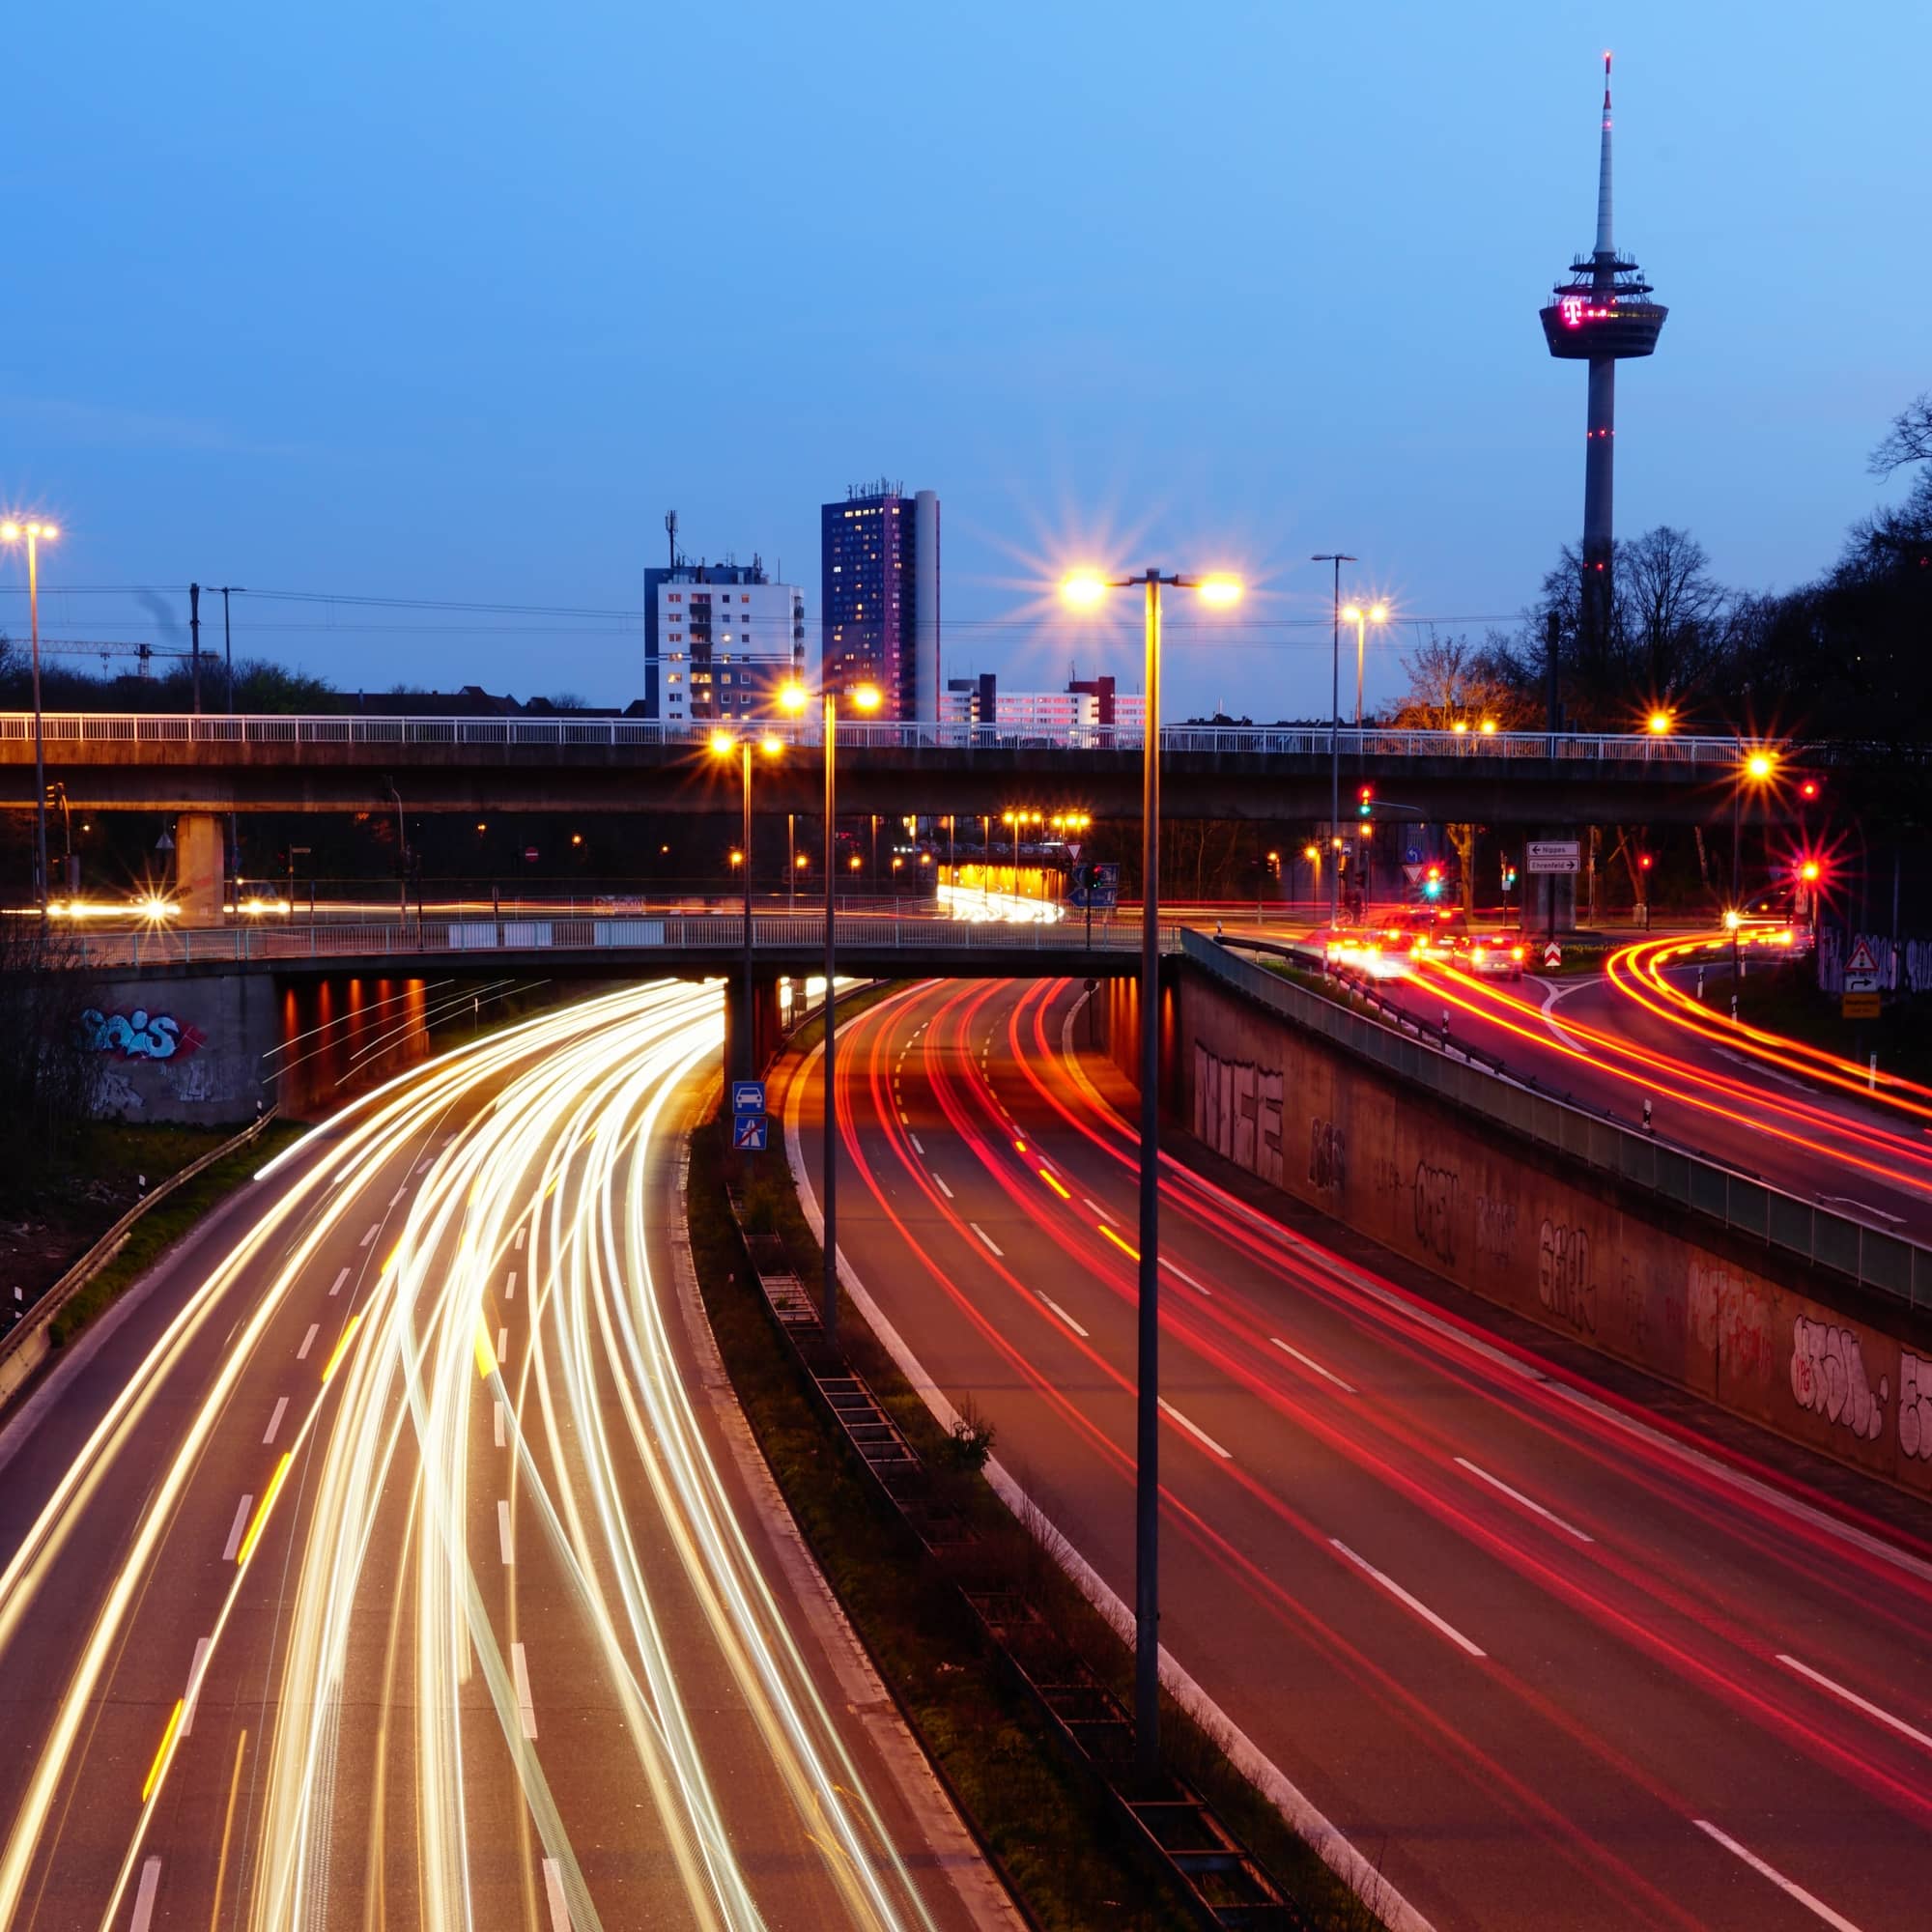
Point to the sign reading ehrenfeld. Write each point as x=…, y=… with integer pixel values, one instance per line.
x=1555, y=855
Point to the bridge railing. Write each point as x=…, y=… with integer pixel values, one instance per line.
x=633, y=935
x=69, y=731
x=1887, y=1262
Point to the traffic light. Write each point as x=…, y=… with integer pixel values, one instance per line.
x=1810, y=872
x=1643, y=862
x=1431, y=883
x=1809, y=789
x=1366, y=796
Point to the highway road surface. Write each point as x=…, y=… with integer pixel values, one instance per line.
x=387, y=1559
x=1543, y=1658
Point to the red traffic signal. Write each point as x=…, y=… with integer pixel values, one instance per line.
x=1643, y=862
x=1809, y=789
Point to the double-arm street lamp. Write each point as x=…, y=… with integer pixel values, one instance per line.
x=863, y=698
x=1756, y=770
x=722, y=745
x=1338, y=559
x=34, y=534
x=1087, y=591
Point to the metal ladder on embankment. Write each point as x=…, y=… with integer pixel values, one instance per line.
x=1171, y=1826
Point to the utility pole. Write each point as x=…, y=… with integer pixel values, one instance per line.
x=228, y=664
x=194, y=644
x=1338, y=559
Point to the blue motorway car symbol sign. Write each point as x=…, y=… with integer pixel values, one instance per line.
x=748, y=1096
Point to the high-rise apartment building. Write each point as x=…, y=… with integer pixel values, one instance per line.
x=879, y=596
x=720, y=639
x=1087, y=706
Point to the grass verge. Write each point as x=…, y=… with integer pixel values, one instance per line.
x=164, y=1224
x=1059, y=1845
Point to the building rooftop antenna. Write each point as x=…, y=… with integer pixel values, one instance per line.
x=671, y=530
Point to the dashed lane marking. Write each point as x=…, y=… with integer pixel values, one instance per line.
x=308, y=1341
x=1309, y=1362
x=281, y=1408
x=1414, y=1603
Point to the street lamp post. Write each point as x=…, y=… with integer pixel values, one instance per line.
x=1088, y=591
x=1338, y=559
x=1361, y=618
x=35, y=534
x=795, y=697
x=1755, y=769
x=722, y=744
x=228, y=590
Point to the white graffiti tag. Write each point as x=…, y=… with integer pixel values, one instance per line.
x=1914, y=1405
x=1827, y=1377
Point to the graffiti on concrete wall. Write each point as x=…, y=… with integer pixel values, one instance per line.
x=1564, y=1284
x=1914, y=1405
x=1496, y=1229
x=1327, y=1156
x=1828, y=1378
x=1434, y=1190
x=1729, y=1318
x=140, y=1034
x=1238, y=1112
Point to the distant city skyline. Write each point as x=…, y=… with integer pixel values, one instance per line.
x=413, y=326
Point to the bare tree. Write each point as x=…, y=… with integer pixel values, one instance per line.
x=1909, y=439
x=1453, y=682
x=1673, y=612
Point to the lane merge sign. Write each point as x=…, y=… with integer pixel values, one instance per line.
x=748, y=1096
x=747, y=1133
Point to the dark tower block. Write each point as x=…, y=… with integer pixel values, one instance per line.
x=1599, y=315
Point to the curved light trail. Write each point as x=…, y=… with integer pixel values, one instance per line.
x=505, y=1654
x=1334, y=1438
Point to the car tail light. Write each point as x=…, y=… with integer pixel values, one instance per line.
x=1515, y=952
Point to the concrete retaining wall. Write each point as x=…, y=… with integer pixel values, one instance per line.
x=1553, y=1240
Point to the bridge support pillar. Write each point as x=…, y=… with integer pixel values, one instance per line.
x=201, y=884
x=767, y=1032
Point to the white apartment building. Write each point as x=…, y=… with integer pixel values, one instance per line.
x=720, y=641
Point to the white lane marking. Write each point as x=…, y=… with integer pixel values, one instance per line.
x=1193, y=1429
x=942, y=1186
x=1517, y=1496
x=1757, y=1069
x=559, y=1906
x=240, y=1524
x=339, y=1280
x=399, y=1193
x=202, y=1646
x=1181, y=1274
x=424, y=1162
x=503, y=1532
x=144, y=1897
x=1561, y=991
x=510, y=1287
x=1064, y=1315
x=520, y=1240
x=1850, y=1696
x=499, y=1425
x=1102, y=1211
x=987, y=1239
x=525, y=1709
x=915, y=1147
x=1309, y=1362
x=375, y=1228
x=502, y=1346
x=1784, y=1885
x=1865, y=1207
x=1415, y=1604
x=281, y=1408
x=308, y=1341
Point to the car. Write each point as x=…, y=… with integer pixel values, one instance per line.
x=1497, y=956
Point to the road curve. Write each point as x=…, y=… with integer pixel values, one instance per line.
x=380, y=1561
x=1542, y=1659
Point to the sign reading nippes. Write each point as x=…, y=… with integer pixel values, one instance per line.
x=1555, y=855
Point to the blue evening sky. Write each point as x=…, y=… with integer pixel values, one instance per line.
x=452, y=301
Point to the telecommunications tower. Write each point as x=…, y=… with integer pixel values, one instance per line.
x=1600, y=314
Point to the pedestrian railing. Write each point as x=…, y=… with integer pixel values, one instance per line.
x=720, y=933
x=1883, y=1262
x=67, y=732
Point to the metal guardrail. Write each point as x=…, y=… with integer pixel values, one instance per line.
x=721, y=934
x=1887, y=1263
x=65, y=731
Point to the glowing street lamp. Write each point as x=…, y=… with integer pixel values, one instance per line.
x=1659, y=723
x=866, y=698
x=34, y=534
x=1362, y=616
x=1085, y=590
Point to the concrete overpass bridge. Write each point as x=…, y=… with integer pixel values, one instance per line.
x=139, y=761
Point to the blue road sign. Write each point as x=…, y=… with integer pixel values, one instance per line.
x=1414, y=855
x=747, y=1133
x=748, y=1096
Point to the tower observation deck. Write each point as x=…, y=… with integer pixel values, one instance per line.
x=1600, y=314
